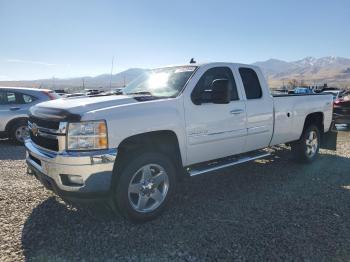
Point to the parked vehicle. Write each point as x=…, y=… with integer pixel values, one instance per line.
x=74, y=95
x=335, y=93
x=14, y=108
x=341, y=110
x=117, y=91
x=303, y=90
x=130, y=149
x=92, y=92
x=60, y=92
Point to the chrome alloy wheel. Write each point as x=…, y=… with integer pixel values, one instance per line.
x=311, y=144
x=22, y=133
x=148, y=188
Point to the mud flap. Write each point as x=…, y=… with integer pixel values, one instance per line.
x=329, y=139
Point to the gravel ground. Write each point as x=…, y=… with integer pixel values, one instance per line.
x=269, y=209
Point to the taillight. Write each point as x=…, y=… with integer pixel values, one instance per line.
x=338, y=102
x=50, y=94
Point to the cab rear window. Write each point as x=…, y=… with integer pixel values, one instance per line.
x=251, y=83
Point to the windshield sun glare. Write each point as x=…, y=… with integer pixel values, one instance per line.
x=163, y=82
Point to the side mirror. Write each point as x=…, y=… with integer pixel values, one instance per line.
x=221, y=92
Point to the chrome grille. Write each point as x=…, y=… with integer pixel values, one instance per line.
x=48, y=138
x=54, y=125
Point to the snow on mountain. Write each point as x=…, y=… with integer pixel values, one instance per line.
x=330, y=69
x=274, y=66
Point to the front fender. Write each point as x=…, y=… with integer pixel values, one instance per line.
x=143, y=117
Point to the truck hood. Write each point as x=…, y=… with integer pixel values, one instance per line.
x=74, y=108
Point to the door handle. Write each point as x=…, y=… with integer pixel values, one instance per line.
x=14, y=108
x=236, y=111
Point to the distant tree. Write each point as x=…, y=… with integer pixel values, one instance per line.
x=293, y=83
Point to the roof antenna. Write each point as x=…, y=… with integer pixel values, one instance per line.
x=192, y=61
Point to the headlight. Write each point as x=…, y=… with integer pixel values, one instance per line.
x=89, y=135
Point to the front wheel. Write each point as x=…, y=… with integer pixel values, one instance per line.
x=306, y=149
x=144, y=186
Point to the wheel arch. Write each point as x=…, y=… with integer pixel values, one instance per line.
x=164, y=141
x=316, y=118
x=13, y=121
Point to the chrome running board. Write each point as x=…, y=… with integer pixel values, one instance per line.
x=220, y=164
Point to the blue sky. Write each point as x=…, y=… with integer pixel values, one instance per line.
x=41, y=39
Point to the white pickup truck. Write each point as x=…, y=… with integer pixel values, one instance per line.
x=130, y=149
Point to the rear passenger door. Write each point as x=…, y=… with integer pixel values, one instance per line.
x=259, y=108
x=213, y=130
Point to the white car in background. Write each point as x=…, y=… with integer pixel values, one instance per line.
x=14, y=108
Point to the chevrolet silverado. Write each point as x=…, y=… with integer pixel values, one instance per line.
x=129, y=149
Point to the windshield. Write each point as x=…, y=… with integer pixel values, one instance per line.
x=163, y=82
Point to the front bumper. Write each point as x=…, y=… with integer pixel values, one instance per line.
x=93, y=168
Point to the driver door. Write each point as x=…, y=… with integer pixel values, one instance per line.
x=214, y=130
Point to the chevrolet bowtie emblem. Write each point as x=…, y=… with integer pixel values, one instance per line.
x=35, y=130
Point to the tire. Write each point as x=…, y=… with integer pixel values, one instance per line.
x=19, y=131
x=144, y=186
x=306, y=149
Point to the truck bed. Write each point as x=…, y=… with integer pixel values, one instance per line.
x=290, y=111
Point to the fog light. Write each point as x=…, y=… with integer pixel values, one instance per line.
x=72, y=180
x=75, y=179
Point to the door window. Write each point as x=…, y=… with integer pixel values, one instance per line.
x=11, y=98
x=27, y=99
x=251, y=83
x=203, y=87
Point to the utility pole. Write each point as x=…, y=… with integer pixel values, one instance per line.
x=83, y=83
x=110, y=80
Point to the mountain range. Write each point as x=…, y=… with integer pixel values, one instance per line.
x=79, y=83
x=335, y=71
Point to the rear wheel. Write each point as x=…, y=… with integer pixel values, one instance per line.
x=144, y=186
x=306, y=149
x=19, y=131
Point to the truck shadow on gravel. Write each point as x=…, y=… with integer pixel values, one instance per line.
x=271, y=209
